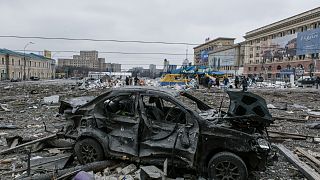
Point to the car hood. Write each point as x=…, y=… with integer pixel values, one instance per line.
x=247, y=104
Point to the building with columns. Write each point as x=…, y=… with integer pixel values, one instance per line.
x=288, y=46
x=16, y=65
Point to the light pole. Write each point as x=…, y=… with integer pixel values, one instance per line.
x=24, y=59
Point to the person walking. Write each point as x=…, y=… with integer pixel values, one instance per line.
x=225, y=82
x=237, y=82
x=127, y=80
x=217, y=81
x=318, y=81
x=244, y=84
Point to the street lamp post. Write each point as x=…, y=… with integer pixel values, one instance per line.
x=24, y=59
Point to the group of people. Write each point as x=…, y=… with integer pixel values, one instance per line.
x=215, y=81
x=243, y=82
x=132, y=81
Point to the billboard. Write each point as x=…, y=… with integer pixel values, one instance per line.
x=280, y=47
x=204, y=56
x=308, y=42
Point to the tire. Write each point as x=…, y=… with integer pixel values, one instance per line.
x=227, y=166
x=88, y=150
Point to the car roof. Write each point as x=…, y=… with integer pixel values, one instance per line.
x=167, y=91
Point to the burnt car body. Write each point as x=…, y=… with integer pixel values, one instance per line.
x=150, y=125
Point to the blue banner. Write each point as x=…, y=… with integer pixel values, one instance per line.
x=308, y=42
x=204, y=56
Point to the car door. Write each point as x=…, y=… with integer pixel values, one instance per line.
x=173, y=138
x=123, y=123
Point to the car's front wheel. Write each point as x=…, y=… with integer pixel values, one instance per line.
x=88, y=150
x=227, y=166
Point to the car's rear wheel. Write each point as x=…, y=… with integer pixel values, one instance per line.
x=88, y=150
x=227, y=166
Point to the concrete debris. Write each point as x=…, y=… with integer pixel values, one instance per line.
x=128, y=169
x=151, y=172
x=8, y=126
x=24, y=108
x=313, y=125
x=4, y=107
x=82, y=175
x=271, y=106
x=51, y=99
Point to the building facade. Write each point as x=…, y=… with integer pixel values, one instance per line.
x=228, y=60
x=289, y=46
x=87, y=59
x=16, y=65
x=201, y=52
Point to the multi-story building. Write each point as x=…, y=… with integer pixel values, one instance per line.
x=16, y=65
x=288, y=46
x=228, y=59
x=113, y=67
x=88, y=59
x=152, y=69
x=201, y=52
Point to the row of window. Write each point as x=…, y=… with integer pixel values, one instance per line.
x=287, y=32
x=20, y=74
x=269, y=68
x=20, y=63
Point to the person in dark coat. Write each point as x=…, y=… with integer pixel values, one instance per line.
x=127, y=80
x=217, y=81
x=318, y=81
x=237, y=82
x=244, y=84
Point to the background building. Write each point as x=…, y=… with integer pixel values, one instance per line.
x=201, y=52
x=14, y=65
x=289, y=46
x=228, y=59
x=87, y=61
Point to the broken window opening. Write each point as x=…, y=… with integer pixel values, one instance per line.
x=123, y=105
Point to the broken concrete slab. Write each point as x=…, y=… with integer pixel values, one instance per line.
x=128, y=169
x=4, y=107
x=82, y=175
x=51, y=99
x=313, y=125
x=150, y=172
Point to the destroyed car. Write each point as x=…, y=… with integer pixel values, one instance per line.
x=151, y=125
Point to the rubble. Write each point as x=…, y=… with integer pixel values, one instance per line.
x=51, y=99
x=295, y=121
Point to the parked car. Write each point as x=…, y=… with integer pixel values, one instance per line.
x=15, y=80
x=149, y=125
x=34, y=78
x=306, y=81
x=259, y=79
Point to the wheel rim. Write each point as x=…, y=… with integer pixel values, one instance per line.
x=89, y=153
x=226, y=170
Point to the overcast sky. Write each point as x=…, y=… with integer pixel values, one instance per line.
x=146, y=20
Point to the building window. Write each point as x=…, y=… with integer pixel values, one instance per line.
x=251, y=55
x=19, y=62
x=12, y=62
x=257, y=54
x=249, y=68
x=2, y=60
x=35, y=64
x=255, y=68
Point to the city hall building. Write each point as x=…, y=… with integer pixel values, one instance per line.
x=289, y=46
